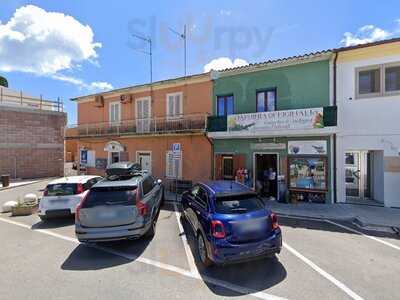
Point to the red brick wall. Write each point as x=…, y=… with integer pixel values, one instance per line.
x=31, y=142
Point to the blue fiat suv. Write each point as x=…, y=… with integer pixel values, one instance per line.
x=230, y=222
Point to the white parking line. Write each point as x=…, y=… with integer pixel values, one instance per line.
x=186, y=273
x=364, y=235
x=323, y=273
x=189, y=254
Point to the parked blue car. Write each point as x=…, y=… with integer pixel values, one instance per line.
x=230, y=222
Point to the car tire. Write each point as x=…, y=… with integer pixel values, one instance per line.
x=152, y=230
x=202, y=251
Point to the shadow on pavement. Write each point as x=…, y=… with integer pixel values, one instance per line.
x=87, y=257
x=256, y=275
x=322, y=225
x=54, y=223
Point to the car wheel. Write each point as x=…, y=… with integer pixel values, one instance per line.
x=202, y=251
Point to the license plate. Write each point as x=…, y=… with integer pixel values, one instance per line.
x=108, y=214
x=58, y=201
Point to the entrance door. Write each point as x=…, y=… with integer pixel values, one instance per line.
x=358, y=167
x=266, y=174
x=227, y=168
x=144, y=159
x=143, y=112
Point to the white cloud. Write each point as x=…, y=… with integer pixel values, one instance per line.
x=368, y=34
x=92, y=86
x=224, y=12
x=46, y=43
x=222, y=63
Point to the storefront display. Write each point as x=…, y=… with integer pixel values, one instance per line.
x=308, y=178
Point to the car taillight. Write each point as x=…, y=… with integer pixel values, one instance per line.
x=142, y=207
x=45, y=192
x=78, y=208
x=274, y=221
x=217, y=229
x=79, y=188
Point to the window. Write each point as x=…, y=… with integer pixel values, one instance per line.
x=266, y=100
x=201, y=198
x=308, y=173
x=173, y=166
x=392, y=79
x=225, y=105
x=382, y=80
x=174, y=105
x=109, y=196
x=148, y=185
x=238, y=204
x=115, y=112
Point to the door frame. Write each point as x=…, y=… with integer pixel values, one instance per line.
x=138, y=152
x=277, y=168
x=363, y=168
x=110, y=156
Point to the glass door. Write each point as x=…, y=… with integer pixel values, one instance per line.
x=358, y=174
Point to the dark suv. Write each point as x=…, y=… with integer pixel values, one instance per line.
x=123, y=206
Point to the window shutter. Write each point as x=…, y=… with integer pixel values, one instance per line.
x=170, y=106
x=178, y=105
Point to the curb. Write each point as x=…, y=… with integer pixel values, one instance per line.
x=25, y=184
x=354, y=220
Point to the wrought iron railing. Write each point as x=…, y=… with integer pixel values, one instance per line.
x=158, y=125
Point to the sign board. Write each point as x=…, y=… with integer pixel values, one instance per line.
x=101, y=163
x=309, y=118
x=318, y=147
x=268, y=146
x=176, y=150
x=83, y=157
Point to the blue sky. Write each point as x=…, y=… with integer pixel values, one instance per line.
x=88, y=46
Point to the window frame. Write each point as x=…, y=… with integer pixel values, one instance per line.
x=114, y=103
x=384, y=66
x=265, y=91
x=199, y=201
x=225, y=97
x=168, y=113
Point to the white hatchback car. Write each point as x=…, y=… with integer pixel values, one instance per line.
x=62, y=196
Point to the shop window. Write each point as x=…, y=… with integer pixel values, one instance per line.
x=308, y=173
x=225, y=105
x=266, y=100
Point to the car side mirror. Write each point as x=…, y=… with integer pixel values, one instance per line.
x=185, y=193
x=158, y=181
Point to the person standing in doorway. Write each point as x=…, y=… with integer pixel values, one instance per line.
x=271, y=183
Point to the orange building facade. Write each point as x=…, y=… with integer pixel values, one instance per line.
x=141, y=123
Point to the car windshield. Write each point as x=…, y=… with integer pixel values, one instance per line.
x=110, y=196
x=238, y=204
x=61, y=189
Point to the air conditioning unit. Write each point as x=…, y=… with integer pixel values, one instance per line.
x=99, y=101
x=125, y=98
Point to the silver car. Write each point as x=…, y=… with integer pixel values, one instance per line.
x=119, y=209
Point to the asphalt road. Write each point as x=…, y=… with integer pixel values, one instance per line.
x=320, y=260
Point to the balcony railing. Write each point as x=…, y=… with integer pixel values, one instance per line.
x=164, y=125
x=219, y=124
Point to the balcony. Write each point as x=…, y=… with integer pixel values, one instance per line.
x=194, y=123
x=296, y=121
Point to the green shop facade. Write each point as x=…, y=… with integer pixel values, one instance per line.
x=273, y=127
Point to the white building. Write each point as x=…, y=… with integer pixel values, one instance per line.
x=368, y=143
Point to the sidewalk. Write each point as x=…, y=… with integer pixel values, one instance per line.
x=373, y=217
x=17, y=183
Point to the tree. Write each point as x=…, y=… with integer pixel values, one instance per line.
x=3, y=81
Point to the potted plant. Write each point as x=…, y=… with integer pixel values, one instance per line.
x=24, y=208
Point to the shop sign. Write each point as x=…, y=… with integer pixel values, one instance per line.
x=84, y=157
x=113, y=146
x=176, y=151
x=277, y=120
x=308, y=147
x=268, y=146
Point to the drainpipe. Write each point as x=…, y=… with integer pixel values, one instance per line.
x=334, y=135
x=212, y=154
